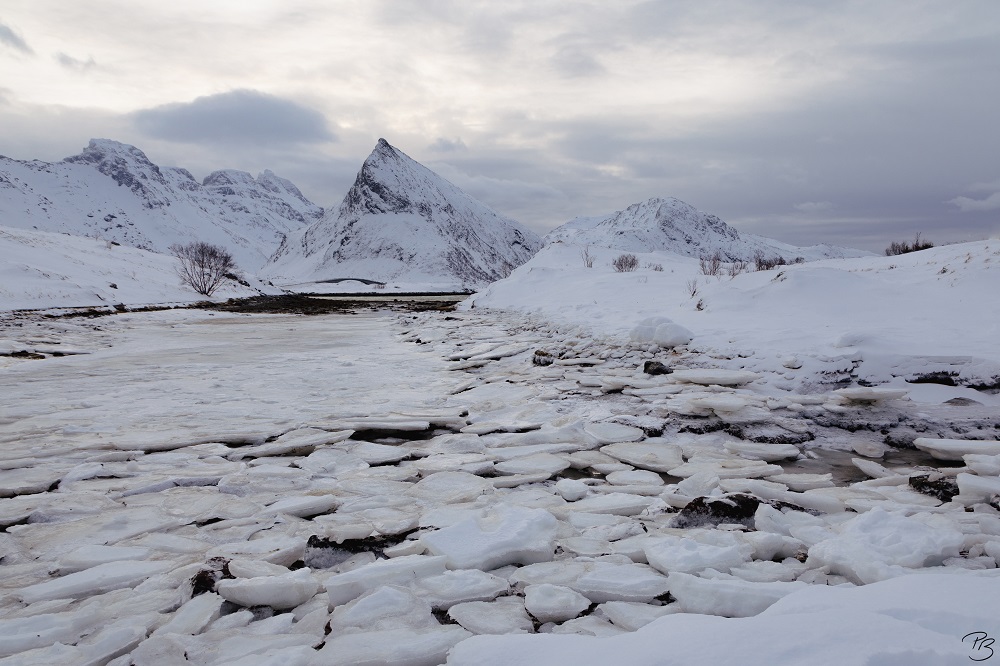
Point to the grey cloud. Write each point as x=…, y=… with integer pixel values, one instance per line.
x=813, y=206
x=443, y=145
x=14, y=40
x=69, y=62
x=967, y=205
x=239, y=116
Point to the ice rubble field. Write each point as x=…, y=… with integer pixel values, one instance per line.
x=193, y=487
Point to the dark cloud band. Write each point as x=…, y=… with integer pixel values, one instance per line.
x=239, y=116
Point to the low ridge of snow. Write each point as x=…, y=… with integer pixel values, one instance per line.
x=112, y=191
x=924, y=312
x=401, y=221
x=670, y=225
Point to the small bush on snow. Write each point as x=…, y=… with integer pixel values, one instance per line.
x=905, y=248
x=625, y=263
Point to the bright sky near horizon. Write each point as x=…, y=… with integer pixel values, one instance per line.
x=852, y=122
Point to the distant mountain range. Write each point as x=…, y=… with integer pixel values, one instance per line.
x=113, y=192
x=402, y=222
x=668, y=224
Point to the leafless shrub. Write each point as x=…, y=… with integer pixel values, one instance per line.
x=736, y=268
x=711, y=265
x=655, y=267
x=203, y=266
x=625, y=263
x=904, y=247
x=692, y=287
x=764, y=263
x=588, y=258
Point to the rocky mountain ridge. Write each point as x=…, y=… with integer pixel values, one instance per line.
x=114, y=192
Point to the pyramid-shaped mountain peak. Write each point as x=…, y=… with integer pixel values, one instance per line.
x=401, y=221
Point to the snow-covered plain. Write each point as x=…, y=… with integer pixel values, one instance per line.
x=208, y=488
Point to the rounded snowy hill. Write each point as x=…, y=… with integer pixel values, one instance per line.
x=402, y=222
x=670, y=225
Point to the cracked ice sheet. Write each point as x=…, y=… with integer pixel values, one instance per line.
x=174, y=374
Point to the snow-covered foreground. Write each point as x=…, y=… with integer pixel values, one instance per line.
x=192, y=487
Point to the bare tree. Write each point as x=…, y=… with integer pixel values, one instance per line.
x=737, y=267
x=588, y=258
x=625, y=263
x=692, y=287
x=203, y=266
x=765, y=263
x=711, y=265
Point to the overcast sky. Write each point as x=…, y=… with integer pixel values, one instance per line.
x=854, y=123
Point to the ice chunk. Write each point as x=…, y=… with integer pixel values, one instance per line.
x=612, y=433
x=27, y=633
x=802, y=482
x=448, y=487
x=506, y=615
x=732, y=468
x=554, y=603
x=621, y=582
x=726, y=597
x=954, y=449
x=453, y=587
x=877, y=545
x=388, y=607
x=304, y=506
x=572, y=490
x=283, y=550
x=86, y=557
x=869, y=394
x=671, y=554
x=715, y=376
x=279, y=592
x=345, y=587
x=634, y=477
x=96, y=580
x=984, y=465
x=498, y=536
x=393, y=646
x=630, y=615
x=973, y=488
x=657, y=456
x=546, y=463
x=765, y=452
x=621, y=504
x=193, y=616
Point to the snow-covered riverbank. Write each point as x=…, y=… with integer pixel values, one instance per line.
x=192, y=487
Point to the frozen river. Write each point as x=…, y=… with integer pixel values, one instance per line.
x=183, y=369
x=200, y=487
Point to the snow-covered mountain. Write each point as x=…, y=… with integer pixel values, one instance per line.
x=112, y=191
x=668, y=224
x=402, y=222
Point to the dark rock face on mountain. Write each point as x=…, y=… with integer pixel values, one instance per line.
x=113, y=191
x=400, y=221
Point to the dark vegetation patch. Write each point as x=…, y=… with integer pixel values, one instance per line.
x=936, y=485
x=736, y=509
x=206, y=579
x=324, y=553
x=307, y=305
